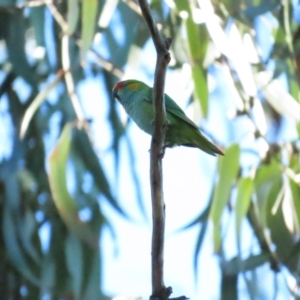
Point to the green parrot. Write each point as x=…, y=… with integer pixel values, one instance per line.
x=136, y=98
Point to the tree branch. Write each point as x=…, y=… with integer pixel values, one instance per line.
x=159, y=291
x=69, y=79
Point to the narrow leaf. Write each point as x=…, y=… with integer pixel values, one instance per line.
x=107, y=13
x=197, y=39
x=13, y=27
x=72, y=16
x=93, y=277
x=89, y=11
x=85, y=151
x=236, y=266
x=199, y=243
x=201, y=220
x=74, y=254
x=37, y=101
x=203, y=217
x=280, y=235
x=228, y=167
x=229, y=286
x=14, y=249
x=37, y=18
x=277, y=96
x=201, y=87
x=28, y=229
x=245, y=186
x=65, y=204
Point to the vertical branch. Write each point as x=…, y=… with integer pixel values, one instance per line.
x=159, y=291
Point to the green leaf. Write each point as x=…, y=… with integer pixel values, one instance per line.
x=280, y=235
x=92, y=275
x=14, y=249
x=65, y=204
x=229, y=287
x=202, y=220
x=72, y=16
x=201, y=87
x=75, y=264
x=236, y=265
x=37, y=18
x=28, y=228
x=294, y=184
x=228, y=167
x=107, y=13
x=133, y=26
x=271, y=192
x=57, y=177
x=197, y=37
x=245, y=186
x=47, y=274
x=277, y=96
x=265, y=176
x=8, y=3
x=82, y=146
x=35, y=104
x=199, y=244
x=260, y=7
x=56, y=256
x=14, y=26
x=89, y=12
x=295, y=190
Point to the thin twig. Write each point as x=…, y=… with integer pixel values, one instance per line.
x=134, y=7
x=159, y=291
x=106, y=65
x=66, y=62
x=57, y=16
x=69, y=79
x=34, y=3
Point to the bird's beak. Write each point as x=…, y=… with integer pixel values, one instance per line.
x=115, y=93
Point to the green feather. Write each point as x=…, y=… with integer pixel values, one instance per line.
x=136, y=98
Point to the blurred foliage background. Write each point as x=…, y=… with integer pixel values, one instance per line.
x=52, y=181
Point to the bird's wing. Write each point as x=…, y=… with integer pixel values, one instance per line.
x=173, y=108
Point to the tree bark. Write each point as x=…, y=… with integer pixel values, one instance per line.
x=159, y=291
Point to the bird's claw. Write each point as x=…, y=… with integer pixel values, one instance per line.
x=166, y=124
x=162, y=153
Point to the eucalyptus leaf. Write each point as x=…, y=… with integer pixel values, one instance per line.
x=14, y=35
x=36, y=103
x=75, y=264
x=84, y=150
x=65, y=204
x=228, y=167
x=197, y=39
x=235, y=265
x=15, y=252
x=244, y=187
x=88, y=18
x=72, y=16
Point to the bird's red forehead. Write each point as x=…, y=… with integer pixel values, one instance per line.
x=122, y=84
x=119, y=85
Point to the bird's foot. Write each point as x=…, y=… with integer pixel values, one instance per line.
x=162, y=153
x=165, y=125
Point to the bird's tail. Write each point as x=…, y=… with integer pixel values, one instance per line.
x=201, y=142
